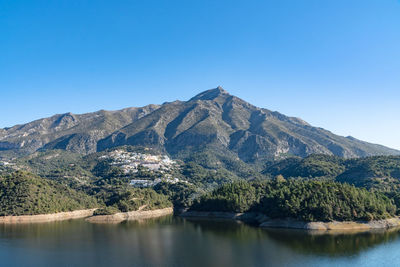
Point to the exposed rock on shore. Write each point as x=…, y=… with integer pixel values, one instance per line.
x=60, y=216
x=348, y=225
x=264, y=221
x=128, y=216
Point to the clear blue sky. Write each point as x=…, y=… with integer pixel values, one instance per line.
x=334, y=63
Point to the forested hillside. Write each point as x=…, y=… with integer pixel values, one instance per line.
x=22, y=193
x=379, y=172
x=299, y=199
x=311, y=188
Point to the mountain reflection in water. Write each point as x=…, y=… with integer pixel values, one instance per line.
x=172, y=241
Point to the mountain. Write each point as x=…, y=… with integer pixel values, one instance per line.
x=77, y=133
x=213, y=120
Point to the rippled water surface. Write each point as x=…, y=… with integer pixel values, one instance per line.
x=172, y=241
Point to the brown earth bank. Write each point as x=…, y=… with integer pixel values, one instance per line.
x=41, y=218
x=263, y=221
x=131, y=215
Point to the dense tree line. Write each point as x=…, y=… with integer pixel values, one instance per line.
x=181, y=194
x=22, y=193
x=305, y=200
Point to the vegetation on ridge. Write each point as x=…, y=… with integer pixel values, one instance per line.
x=307, y=194
x=22, y=193
x=378, y=173
x=299, y=199
x=133, y=199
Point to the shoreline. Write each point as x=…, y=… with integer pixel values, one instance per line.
x=42, y=218
x=265, y=222
x=258, y=219
x=130, y=216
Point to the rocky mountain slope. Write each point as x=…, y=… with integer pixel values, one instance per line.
x=77, y=133
x=212, y=120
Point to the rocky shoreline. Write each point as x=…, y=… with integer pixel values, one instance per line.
x=88, y=214
x=41, y=218
x=263, y=221
x=128, y=216
x=255, y=218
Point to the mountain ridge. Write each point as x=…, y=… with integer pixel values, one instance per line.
x=212, y=119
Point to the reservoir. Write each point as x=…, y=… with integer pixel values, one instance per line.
x=173, y=241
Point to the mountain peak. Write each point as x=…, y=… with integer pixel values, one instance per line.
x=220, y=89
x=214, y=119
x=211, y=94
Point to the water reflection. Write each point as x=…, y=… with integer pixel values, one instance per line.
x=331, y=244
x=305, y=242
x=172, y=241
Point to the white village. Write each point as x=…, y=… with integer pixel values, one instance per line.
x=130, y=162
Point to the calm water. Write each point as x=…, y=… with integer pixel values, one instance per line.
x=173, y=241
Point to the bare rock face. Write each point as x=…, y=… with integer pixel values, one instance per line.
x=213, y=119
